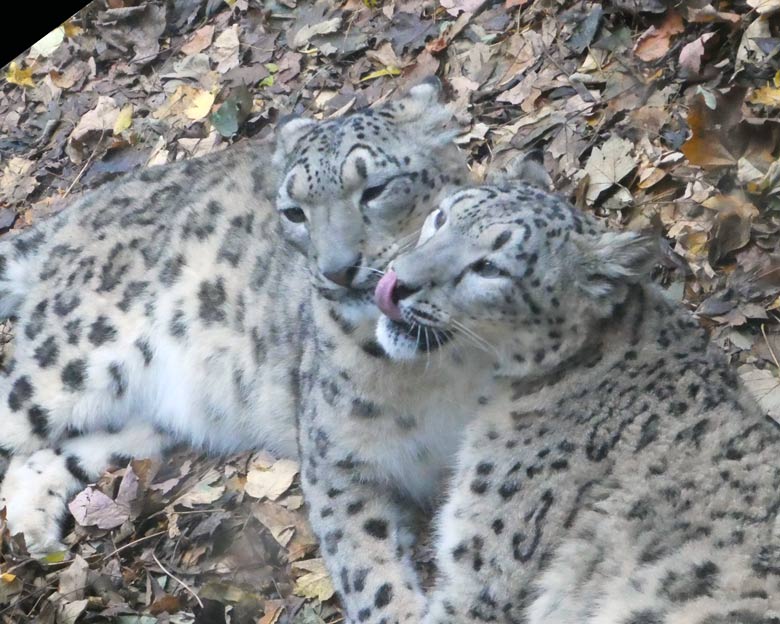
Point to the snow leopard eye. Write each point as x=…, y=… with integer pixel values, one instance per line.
x=372, y=192
x=294, y=215
x=485, y=268
x=439, y=219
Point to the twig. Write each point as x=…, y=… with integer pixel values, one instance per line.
x=86, y=164
x=178, y=580
x=769, y=346
x=133, y=543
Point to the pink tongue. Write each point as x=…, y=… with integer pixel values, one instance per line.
x=383, y=296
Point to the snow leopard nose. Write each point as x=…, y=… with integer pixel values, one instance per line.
x=344, y=275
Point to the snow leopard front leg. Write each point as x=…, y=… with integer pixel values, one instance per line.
x=37, y=486
x=361, y=526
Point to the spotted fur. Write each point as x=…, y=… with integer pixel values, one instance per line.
x=618, y=472
x=175, y=303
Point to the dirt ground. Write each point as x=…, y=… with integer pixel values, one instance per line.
x=652, y=114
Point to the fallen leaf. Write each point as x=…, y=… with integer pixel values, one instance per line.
x=732, y=225
x=199, y=41
x=764, y=386
x=233, y=112
x=304, y=35
x=203, y=492
x=9, y=589
x=765, y=7
x=704, y=147
x=316, y=582
x=456, y=7
x=91, y=507
x=17, y=180
x=49, y=44
x=101, y=118
x=69, y=612
x=272, y=611
x=71, y=30
x=608, y=165
x=18, y=76
x=124, y=119
x=768, y=96
x=655, y=42
x=73, y=579
x=387, y=71
x=585, y=29
x=225, y=49
x=692, y=54
x=264, y=481
x=200, y=105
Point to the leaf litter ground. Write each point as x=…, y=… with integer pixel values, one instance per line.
x=652, y=115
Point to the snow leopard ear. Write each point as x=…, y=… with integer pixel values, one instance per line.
x=614, y=259
x=527, y=167
x=289, y=130
x=423, y=116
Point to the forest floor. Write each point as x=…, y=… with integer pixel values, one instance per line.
x=652, y=114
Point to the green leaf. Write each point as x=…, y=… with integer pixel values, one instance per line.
x=233, y=112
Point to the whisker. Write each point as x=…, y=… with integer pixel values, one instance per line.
x=357, y=266
x=427, y=350
x=466, y=330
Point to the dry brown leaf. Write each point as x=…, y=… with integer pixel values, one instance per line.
x=608, y=165
x=73, y=579
x=692, y=54
x=101, y=118
x=704, y=147
x=316, y=582
x=732, y=225
x=91, y=507
x=69, y=612
x=325, y=27
x=270, y=481
x=764, y=386
x=16, y=180
x=272, y=611
x=202, y=493
x=225, y=49
x=199, y=41
x=654, y=43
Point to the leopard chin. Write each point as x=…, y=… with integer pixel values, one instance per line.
x=407, y=341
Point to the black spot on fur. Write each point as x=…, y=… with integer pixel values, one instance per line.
x=212, y=299
x=146, y=350
x=171, y=270
x=73, y=466
x=118, y=379
x=383, y=596
x=646, y=616
x=376, y=527
x=39, y=420
x=20, y=393
x=359, y=579
x=37, y=319
x=73, y=330
x=101, y=331
x=363, y=409
x=47, y=352
x=74, y=375
x=178, y=327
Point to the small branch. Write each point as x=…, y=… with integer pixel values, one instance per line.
x=178, y=580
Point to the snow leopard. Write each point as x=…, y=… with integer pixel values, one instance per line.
x=617, y=471
x=174, y=304
x=378, y=442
